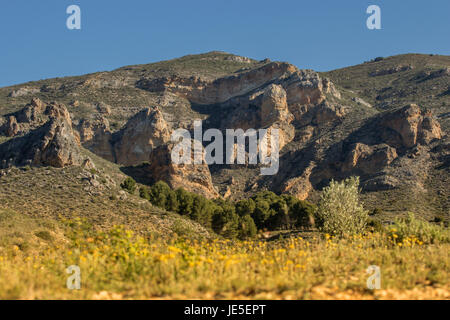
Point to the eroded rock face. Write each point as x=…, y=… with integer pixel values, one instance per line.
x=410, y=126
x=274, y=105
x=306, y=87
x=192, y=177
x=376, y=152
x=220, y=90
x=369, y=159
x=11, y=127
x=24, y=91
x=301, y=186
x=96, y=136
x=24, y=120
x=275, y=114
x=31, y=112
x=53, y=144
x=142, y=133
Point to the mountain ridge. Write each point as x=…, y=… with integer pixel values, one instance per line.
x=327, y=119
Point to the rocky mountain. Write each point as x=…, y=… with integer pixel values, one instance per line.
x=386, y=121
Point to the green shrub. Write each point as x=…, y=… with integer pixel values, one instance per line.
x=202, y=210
x=376, y=212
x=302, y=213
x=261, y=213
x=374, y=225
x=245, y=207
x=44, y=235
x=247, y=228
x=172, y=202
x=144, y=193
x=225, y=221
x=279, y=215
x=422, y=230
x=159, y=194
x=340, y=211
x=129, y=185
x=185, y=201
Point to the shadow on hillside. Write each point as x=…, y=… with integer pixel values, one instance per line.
x=139, y=173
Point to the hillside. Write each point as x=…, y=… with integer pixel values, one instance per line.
x=87, y=180
x=386, y=121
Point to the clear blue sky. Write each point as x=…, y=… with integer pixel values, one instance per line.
x=321, y=35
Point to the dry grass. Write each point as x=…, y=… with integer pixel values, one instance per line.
x=118, y=264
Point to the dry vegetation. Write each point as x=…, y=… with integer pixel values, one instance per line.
x=118, y=264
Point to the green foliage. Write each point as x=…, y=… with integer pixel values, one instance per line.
x=424, y=231
x=302, y=213
x=262, y=212
x=376, y=212
x=340, y=211
x=247, y=227
x=44, y=235
x=226, y=221
x=242, y=219
x=144, y=193
x=129, y=185
x=281, y=212
x=374, y=225
x=159, y=194
x=202, y=210
x=172, y=203
x=279, y=215
x=245, y=207
x=185, y=201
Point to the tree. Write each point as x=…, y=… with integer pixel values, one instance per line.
x=202, y=210
x=172, y=202
x=225, y=221
x=278, y=217
x=261, y=213
x=185, y=201
x=245, y=207
x=159, y=193
x=247, y=227
x=302, y=213
x=340, y=211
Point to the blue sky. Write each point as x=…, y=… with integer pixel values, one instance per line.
x=320, y=35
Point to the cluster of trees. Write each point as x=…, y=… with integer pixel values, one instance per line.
x=241, y=219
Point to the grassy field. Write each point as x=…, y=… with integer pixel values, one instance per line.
x=118, y=264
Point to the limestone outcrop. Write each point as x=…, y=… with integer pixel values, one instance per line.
x=143, y=133
x=53, y=144
x=192, y=177
x=410, y=126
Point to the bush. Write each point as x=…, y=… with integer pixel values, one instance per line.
x=245, y=207
x=376, y=212
x=202, y=210
x=185, y=201
x=340, y=211
x=262, y=212
x=242, y=219
x=374, y=225
x=302, y=213
x=159, y=194
x=44, y=235
x=279, y=215
x=144, y=193
x=225, y=221
x=411, y=227
x=129, y=185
